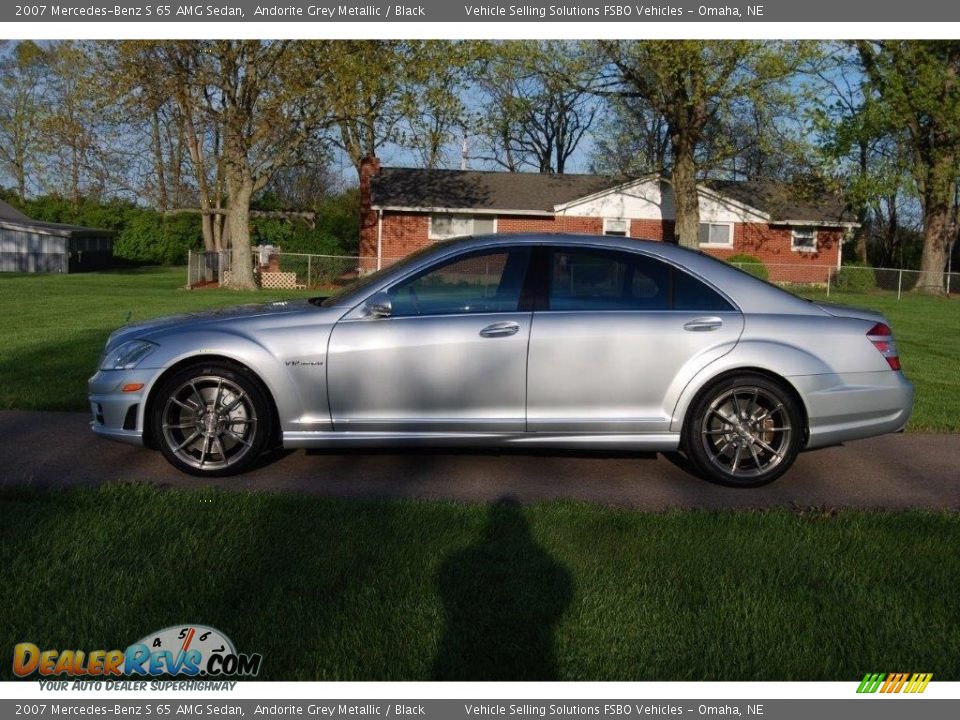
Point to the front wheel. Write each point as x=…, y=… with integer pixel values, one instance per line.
x=211, y=420
x=743, y=431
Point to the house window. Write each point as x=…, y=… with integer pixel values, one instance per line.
x=619, y=227
x=716, y=234
x=804, y=239
x=449, y=226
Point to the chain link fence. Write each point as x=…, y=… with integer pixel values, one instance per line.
x=295, y=271
x=847, y=279
x=277, y=270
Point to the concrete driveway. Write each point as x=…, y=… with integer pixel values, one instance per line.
x=51, y=449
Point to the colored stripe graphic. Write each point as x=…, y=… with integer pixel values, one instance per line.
x=894, y=682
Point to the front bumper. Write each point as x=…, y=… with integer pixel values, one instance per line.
x=851, y=406
x=119, y=415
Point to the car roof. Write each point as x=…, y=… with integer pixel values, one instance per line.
x=747, y=292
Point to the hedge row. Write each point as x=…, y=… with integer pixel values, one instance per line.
x=147, y=236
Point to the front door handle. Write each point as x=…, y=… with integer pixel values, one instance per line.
x=500, y=329
x=703, y=324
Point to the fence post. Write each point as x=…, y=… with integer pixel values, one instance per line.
x=309, y=258
x=829, y=275
x=189, y=265
x=899, y=282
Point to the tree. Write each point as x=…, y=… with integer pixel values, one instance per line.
x=537, y=105
x=22, y=72
x=245, y=109
x=373, y=86
x=75, y=147
x=269, y=108
x=861, y=149
x=694, y=85
x=917, y=86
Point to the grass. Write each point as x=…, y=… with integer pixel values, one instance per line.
x=337, y=590
x=54, y=327
x=927, y=331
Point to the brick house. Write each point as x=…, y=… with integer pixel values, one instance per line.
x=405, y=209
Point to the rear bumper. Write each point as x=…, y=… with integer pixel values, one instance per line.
x=850, y=406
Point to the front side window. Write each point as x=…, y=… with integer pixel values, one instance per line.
x=716, y=234
x=804, y=239
x=479, y=283
x=446, y=226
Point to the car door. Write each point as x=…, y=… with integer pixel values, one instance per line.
x=451, y=355
x=618, y=336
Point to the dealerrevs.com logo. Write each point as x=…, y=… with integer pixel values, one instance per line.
x=180, y=650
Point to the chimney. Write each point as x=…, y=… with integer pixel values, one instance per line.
x=369, y=169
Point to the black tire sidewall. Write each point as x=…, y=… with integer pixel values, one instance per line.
x=697, y=455
x=250, y=385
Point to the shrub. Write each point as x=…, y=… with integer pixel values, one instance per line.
x=855, y=277
x=154, y=238
x=750, y=264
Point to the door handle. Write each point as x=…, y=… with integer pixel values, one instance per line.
x=500, y=329
x=703, y=324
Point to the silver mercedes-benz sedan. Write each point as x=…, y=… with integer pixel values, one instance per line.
x=562, y=341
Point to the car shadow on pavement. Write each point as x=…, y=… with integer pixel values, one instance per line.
x=503, y=596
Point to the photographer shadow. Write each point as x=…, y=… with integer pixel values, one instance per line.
x=503, y=597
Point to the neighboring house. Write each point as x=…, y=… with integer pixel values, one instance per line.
x=404, y=209
x=32, y=246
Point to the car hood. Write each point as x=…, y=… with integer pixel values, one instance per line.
x=851, y=312
x=147, y=328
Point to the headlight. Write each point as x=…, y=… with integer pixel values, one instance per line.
x=127, y=355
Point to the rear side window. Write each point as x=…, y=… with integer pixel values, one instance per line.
x=583, y=279
x=600, y=280
x=694, y=295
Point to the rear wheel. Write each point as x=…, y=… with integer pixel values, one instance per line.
x=211, y=420
x=743, y=431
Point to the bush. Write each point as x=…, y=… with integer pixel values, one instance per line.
x=856, y=277
x=154, y=238
x=750, y=264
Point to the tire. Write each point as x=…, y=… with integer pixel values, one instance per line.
x=744, y=430
x=211, y=419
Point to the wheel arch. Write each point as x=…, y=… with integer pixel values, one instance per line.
x=203, y=359
x=692, y=395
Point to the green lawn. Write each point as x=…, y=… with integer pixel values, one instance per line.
x=54, y=327
x=336, y=590
x=927, y=331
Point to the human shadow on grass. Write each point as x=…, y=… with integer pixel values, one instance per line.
x=503, y=597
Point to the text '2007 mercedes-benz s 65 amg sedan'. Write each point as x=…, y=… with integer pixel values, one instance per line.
x=562, y=341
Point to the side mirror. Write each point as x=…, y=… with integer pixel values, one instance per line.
x=379, y=305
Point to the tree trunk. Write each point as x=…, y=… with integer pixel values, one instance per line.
x=687, y=231
x=938, y=195
x=936, y=232
x=239, y=191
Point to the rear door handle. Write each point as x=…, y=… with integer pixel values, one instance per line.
x=500, y=329
x=703, y=324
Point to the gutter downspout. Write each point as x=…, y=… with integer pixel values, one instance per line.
x=379, y=238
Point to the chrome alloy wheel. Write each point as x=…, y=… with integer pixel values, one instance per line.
x=746, y=431
x=209, y=422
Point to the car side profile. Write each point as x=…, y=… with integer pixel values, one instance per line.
x=563, y=341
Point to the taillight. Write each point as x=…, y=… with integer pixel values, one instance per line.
x=882, y=340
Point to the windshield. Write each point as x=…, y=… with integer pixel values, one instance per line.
x=351, y=293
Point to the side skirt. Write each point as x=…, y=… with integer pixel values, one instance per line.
x=654, y=442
